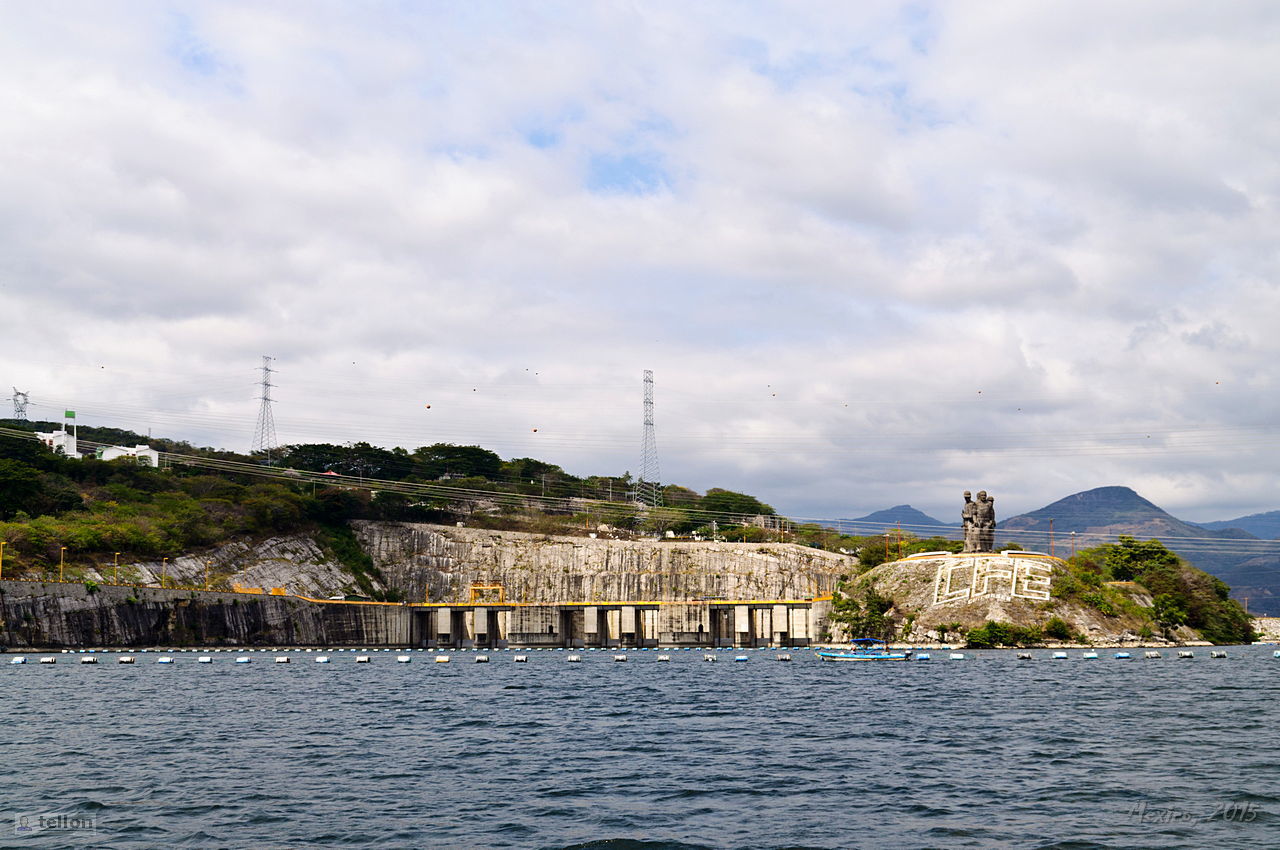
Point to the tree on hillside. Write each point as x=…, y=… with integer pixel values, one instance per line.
x=729, y=502
x=430, y=463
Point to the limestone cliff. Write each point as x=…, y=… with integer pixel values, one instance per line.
x=439, y=563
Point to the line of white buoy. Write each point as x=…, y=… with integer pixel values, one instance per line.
x=90, y=657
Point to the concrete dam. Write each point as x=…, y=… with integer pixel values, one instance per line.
x=471, y=588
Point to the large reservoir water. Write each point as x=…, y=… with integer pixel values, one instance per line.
x=990, y=751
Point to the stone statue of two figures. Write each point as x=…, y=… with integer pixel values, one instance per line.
x=978, y=519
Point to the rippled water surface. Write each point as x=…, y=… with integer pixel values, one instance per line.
x=986, y=752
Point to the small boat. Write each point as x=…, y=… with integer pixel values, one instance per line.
x=864, y=649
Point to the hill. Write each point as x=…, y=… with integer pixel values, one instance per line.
x=1264, y=526
x=1251, y=566
x=909, y=518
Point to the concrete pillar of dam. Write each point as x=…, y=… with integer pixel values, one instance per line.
x=467, y=634
x=444, y=626
x=799, y=618
x=763, y=626
x=628, y=634
x=480, y=619
x=591, y=626
x=502, y=625
x=741, y=625
x=611, y=627
x=649, y=626
x=781, y=628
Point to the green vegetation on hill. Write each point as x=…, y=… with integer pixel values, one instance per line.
x=1181, y=594
x=53, y=507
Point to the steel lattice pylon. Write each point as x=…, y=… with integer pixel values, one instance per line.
x=264, y=435
x=646, y=491
x=20, y=402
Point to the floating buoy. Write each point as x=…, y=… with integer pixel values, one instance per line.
x=1024, y=656
x=243, y=659
x=482, y=659
x=924, y=656
x=574, y=658
x=205, y=659
x=362, y=659
x=786, y=656
x=322, y=659
x=403, y=659
x=664, y=657
x=619, y=658
x=125, y=659
x=48, y=659
x=522, y=659
x=282, y=659
x=959, y=656
x=88, y=659
x=1089, y=655
x=442, y=659
x=709, y=657
x=741, y=657
x=21, y=659
x=1122, y=655
x=1186, y=653
x=1058, y=656
x=165, y=659
x=1276, y=654
x=1217, y=653
x=1151, y=654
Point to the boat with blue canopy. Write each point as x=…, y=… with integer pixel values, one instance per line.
x=864, y=649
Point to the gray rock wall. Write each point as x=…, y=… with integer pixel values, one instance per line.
x=439, y=563
x=49, y=614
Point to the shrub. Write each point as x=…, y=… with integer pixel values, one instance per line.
x=1058, y=629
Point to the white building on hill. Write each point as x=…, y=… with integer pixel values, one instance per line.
x=61, y=442
x=142, y=453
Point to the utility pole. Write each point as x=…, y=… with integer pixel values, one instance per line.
x=264, y=435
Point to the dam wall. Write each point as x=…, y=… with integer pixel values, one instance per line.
x=70, y=615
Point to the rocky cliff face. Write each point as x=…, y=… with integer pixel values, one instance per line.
x=439, y=564
x=294, y=562
x=69, y=615
x=982, y=588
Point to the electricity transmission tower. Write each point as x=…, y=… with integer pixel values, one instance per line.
x=19, y=404
x=646, y=490
x=264, y=436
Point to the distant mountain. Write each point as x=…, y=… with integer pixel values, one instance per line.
x=1108, y=510
x=1251, y=566
x=1265, y=526
x=917, y=522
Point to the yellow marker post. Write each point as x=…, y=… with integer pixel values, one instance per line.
x=206, y=574
x=164, y=570
x=117, y=568
x=62, y=560
x=3, y=543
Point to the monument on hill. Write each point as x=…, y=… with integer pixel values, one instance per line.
x=978, y=519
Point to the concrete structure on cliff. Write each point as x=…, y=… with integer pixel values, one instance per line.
x=466, y=588
x=55, y=614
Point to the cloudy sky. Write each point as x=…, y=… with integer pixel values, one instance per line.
x=874, y=253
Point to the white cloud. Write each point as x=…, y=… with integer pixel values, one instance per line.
x=1013, y=240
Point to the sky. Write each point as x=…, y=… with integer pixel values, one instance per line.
x=873, y=253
